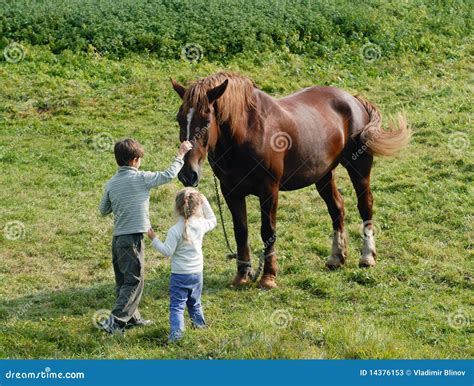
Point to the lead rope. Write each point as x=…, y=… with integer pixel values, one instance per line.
x=233, y=255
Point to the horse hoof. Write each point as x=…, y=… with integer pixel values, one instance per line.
x=239, y=280
x=267, y=282
x=366, y=261
x=334, y=263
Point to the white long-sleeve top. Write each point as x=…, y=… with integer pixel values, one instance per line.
x=186, y=256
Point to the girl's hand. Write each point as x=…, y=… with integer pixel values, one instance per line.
x=151, y=234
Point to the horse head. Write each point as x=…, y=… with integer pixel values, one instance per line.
x=197, y=123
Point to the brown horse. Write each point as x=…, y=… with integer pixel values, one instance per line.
x=260, y=145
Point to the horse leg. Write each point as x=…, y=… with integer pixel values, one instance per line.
x=328, y=191
x=268, y=209
x=359, y=172
x=238, y=209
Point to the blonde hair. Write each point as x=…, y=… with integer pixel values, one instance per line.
x=188, y=203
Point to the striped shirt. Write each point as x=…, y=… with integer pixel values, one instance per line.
x=127, y=196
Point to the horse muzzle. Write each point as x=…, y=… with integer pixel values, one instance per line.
x=189, y=179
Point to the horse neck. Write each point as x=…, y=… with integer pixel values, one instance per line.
x=226, y=135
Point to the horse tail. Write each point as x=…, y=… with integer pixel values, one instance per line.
x=378, y=140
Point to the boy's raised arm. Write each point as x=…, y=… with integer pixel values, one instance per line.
x=153, y=179
x=105, y=206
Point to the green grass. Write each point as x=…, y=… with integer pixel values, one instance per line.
x=52, y=107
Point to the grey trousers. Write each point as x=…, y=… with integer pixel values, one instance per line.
x=128, y=262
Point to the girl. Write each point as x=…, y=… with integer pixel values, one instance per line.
x=184, y=244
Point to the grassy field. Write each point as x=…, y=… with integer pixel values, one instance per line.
x=59, y=115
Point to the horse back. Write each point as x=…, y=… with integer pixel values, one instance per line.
x=325, y=105
x=320, y=122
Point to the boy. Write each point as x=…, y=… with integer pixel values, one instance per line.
x=127, y=195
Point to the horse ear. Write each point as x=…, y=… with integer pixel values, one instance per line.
x=215, y=93
x=178, y=88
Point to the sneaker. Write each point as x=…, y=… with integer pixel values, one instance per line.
x=139, y=323
x=175, y=336
x=111, y=326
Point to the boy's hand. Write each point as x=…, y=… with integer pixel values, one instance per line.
x=184, y=148
x=151, y=234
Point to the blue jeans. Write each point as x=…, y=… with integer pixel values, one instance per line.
x=185, y=290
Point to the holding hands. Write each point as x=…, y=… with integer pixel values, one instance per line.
x=151, y=234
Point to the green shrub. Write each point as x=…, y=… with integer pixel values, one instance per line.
x=228, y=28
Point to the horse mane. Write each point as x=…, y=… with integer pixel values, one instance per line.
x=232, y=106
